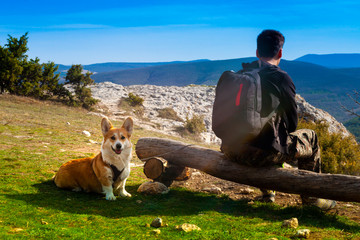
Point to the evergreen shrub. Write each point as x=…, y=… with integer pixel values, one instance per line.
x=339, y=154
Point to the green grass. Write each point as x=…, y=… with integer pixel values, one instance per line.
x=35, y=140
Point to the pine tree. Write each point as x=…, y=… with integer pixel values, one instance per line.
x=80, y=81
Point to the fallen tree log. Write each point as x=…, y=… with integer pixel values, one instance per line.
x=329, y=186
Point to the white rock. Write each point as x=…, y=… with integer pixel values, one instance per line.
x=291, y=223
x=93, y=142
x=303, y=233
x=195, y=174
x=247, y=191
x=212, y=189
x=187, y=227
x=86, y=133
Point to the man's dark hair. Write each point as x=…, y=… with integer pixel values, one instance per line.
x=269, y=42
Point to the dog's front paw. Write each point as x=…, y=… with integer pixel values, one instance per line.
x=124, y=193
x=110, y=196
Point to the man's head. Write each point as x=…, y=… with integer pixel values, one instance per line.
x=269, y=44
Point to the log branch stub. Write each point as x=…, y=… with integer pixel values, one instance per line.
x=329, y=186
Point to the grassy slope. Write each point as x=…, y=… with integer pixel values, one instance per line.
x=35, y=140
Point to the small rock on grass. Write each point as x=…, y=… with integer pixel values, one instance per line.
x=156, y=231
x=187, y=227
x=303, y=233
x=86, y=133
x=44, y=222
x=153, y=188
x=156, y=223
x=291, y=223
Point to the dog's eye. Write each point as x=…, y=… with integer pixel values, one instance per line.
x=113, y=137
x=122, y=137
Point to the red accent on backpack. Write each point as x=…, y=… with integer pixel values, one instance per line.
x=239, y=95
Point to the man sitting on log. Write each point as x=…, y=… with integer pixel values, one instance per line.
x=277, y=140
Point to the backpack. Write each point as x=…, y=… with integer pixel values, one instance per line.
x=236, y=112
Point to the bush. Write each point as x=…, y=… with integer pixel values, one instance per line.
x=195, y=125
x=134, y=100
x=169, y=113
x=340, y=155
x=132, y=105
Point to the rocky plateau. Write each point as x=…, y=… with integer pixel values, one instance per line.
x=186, y=102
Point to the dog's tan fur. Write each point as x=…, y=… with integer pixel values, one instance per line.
x=95, y=174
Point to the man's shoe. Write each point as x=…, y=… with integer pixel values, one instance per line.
x=268, y=196
x=322, y=204
x=325, y=204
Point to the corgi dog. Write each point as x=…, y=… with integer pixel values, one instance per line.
x=106, y=172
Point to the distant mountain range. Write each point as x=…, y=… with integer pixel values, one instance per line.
x=338, y=60
x=320, y=84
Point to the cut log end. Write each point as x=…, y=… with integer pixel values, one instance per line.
x=153, y=168
x=160, y=170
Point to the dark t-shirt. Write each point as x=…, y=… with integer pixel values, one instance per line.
x=276, y=86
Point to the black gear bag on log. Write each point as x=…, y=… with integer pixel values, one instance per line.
x=236, y=112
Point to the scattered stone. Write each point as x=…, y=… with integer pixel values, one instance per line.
x=86, y=133
x=153, y=188
x=147, y=225
x=187, y=227
x=17, y=230
x=93, y=142
x=291, y=223
x=43, y=222
x=156, y=231
x=156, y=223
x=286, y=165
x=138, y=201
x=212, y=189
x=251, y=203
x=272, y=239
x=247, y=191
x=67, y=123
x=303, y=233
x=195, y=174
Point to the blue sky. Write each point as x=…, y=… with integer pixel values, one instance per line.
x=85, y=32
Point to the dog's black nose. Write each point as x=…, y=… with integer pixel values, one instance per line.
x=118, y=146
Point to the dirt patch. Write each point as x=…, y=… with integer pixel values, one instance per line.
x=203, y=182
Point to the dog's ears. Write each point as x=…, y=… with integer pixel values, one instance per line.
x=105, y=125
x=128, y=125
